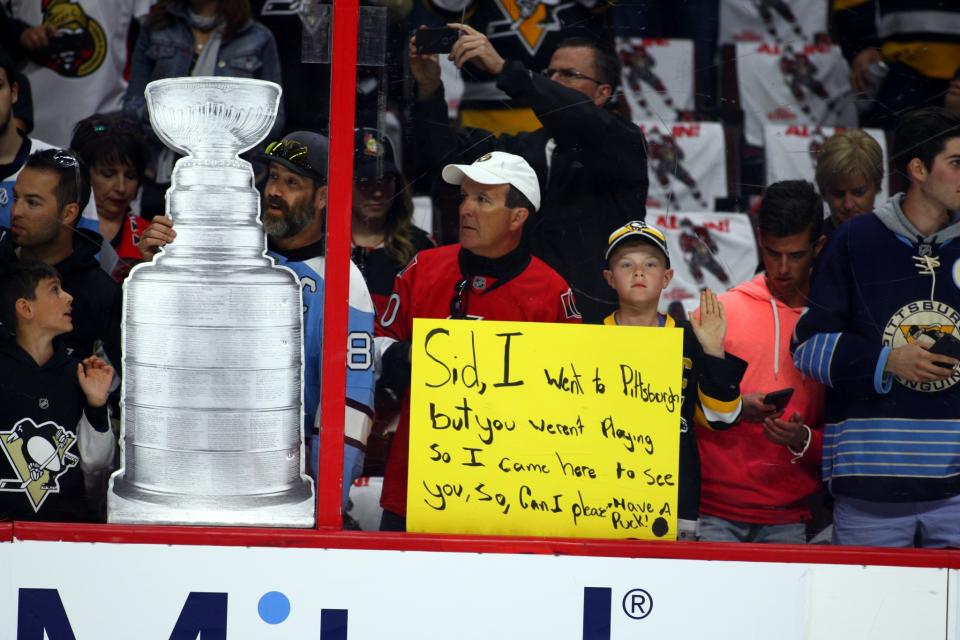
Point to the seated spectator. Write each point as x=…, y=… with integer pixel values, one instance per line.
x=196, y=38
x=757, y=478
x=384, y=236
x=50, y=445
x=489, y=275
x=902, y=54
x=883, y=301
x=849, y=174
x=116, y=153
x=294, y=217
x=638, y=269
x=591, y=164
x=51, y=190
x=14, y=145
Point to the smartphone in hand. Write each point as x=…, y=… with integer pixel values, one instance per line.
x=779, y=398
x=944, y=344
x=436, y=40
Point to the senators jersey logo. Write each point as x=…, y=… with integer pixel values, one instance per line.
x=527, y=20
x=80, y=46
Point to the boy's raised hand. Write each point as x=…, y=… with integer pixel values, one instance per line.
x=711, y=327
x=95, y=377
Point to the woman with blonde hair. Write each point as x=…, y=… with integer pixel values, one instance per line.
x=849, y=174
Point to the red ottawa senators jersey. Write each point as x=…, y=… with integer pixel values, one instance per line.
x=430, y=287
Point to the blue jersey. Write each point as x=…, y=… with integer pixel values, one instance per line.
x=878, y=285
x=360, y=370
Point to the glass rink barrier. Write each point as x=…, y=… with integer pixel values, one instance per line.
x=380, y=379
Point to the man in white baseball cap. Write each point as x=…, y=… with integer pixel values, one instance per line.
x=500, y=191
x=489, y=275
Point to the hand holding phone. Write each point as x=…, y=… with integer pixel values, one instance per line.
x=944, y=344
x=436, y=40
x=779, y=398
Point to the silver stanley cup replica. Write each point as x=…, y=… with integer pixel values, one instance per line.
x=212, y=333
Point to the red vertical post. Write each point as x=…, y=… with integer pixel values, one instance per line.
x=343, y=82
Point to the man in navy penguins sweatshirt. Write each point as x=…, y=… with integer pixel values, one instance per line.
x=885, y=298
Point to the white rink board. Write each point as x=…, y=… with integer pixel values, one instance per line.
x=126, y=591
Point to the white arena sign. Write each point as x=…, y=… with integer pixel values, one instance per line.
x=97, y=591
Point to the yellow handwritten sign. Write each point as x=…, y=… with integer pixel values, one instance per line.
x=525, y=428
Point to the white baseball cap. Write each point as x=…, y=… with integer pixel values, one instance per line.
x=498, y=168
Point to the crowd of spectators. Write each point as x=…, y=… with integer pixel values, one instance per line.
x=818, y=391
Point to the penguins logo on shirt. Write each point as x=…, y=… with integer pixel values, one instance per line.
x=914, y=323
x=527, y=20
x=39, y=455
x=80, y=46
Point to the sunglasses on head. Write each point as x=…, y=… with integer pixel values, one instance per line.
x=291, y=151
x=65, y=159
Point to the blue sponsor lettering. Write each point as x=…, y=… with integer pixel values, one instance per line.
x=42, y=616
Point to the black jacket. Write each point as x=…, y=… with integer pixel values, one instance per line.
x=596, y=179
x=41, y=408
x=96, y=297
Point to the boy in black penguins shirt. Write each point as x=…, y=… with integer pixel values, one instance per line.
x=54, y=420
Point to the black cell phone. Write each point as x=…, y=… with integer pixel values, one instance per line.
x=944, y=344
x=779, y=399
x=69, y=42
x=436, y=40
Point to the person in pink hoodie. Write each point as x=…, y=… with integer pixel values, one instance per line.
x=758, y=477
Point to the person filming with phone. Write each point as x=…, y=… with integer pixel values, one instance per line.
x=591, y=164
x=757, y=479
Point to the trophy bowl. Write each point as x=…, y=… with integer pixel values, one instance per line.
x=212, y=116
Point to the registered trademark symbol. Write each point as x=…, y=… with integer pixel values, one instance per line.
x=637, y=604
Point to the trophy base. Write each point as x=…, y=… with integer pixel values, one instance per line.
x=130, y=504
